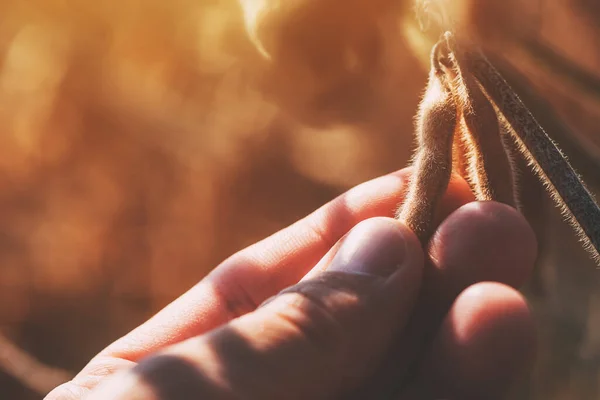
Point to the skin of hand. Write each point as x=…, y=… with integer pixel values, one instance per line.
x=365, y=308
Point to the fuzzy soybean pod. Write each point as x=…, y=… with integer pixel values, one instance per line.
x=435, y=125
x=488, y=165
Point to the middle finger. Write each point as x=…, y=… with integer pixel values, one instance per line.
x=482, y=241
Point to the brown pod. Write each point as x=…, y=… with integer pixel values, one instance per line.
x=435, y=125
x=489, y=170
x=459, y=149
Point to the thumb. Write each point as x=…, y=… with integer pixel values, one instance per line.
x=318, y=339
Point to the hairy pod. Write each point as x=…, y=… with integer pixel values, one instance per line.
x=488, y=167
x=435, y=125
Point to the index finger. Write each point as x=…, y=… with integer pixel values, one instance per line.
x=260, y=271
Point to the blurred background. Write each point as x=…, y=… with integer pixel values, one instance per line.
x=143, y=142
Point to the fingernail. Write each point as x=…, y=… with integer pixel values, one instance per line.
x=376, y=247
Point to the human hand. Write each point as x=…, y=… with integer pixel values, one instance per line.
x=370, y=311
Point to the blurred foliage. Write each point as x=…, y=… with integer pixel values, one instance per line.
x=143, y=142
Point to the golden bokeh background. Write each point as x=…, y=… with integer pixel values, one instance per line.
x=143, y=142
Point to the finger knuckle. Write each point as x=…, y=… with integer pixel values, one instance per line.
x=321, y=314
